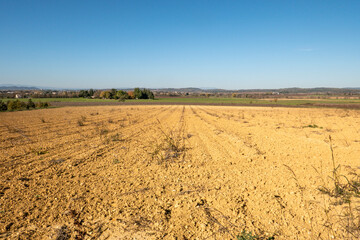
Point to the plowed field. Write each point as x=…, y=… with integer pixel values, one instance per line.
x=179, y=172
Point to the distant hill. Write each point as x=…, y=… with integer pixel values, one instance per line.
x=13, y=87
x=294, y=90
x=22, y=87
x=279, y=90
x=190, y=89
x=317, y=90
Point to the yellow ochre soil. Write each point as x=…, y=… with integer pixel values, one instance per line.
x=177, y=172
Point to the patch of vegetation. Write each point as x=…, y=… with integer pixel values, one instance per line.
x=40, y=151
x=68, y=100
x=14, y=105
x=80, y=122
x=143, y=94
x=113, y=96
x=86, y=93
x=244, y=235
x=123, y=95
x=171, y=147
x=312, y=126
x=116, y=137
x=343, y=191
x=42, y=105
x=104, y=131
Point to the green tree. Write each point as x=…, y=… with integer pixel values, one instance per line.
x=20, y=105
x=113, y=93
x=91, y=92
x=83, y=93
x=3, y=106
x=11, y=105
x=106, y=94
x=143, y=94
x=122, y=95
x=30, y=104
x=16, y=105
x=137, y=93
x=148, y=94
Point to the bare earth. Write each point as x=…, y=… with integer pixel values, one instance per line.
x=175, y=172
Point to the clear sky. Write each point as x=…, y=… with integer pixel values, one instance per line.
x=222, y=44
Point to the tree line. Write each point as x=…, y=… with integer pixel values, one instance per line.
x=12, y=105
x=123, y=95
x=137, y=93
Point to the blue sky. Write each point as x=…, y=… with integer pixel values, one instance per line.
x=222, y=44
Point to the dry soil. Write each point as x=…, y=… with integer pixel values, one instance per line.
x=177, y=172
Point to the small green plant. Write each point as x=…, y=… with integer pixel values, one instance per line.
x=40, y=151
x=312, y=126
x=244, y=235
x=172, y=146
x=247, y=236
x=351, y=187
x=343, y=192
x=80, y=123
x=116, y=137
x=104, y=131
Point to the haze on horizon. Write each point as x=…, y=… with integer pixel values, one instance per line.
x=172, y=44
